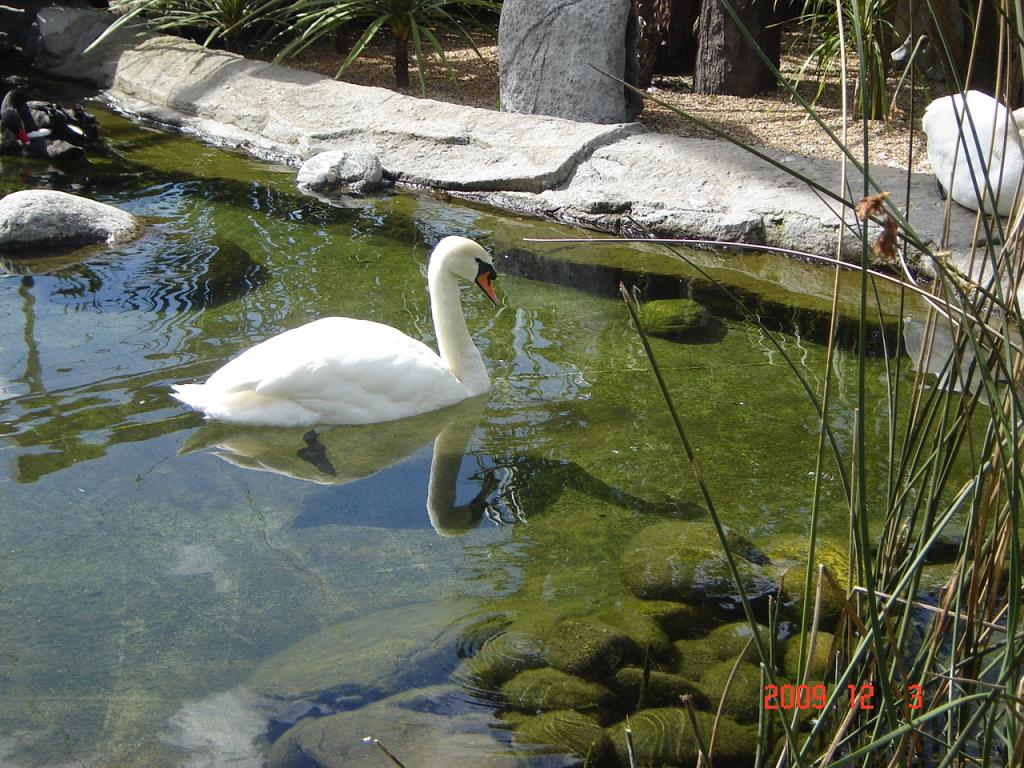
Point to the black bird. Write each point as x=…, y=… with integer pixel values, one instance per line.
x=45, y=130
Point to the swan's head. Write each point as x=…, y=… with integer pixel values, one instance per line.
x=467, y=259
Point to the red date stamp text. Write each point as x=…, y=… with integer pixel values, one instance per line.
x=788, y=697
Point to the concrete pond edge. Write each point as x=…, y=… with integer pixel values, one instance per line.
x=617, y=178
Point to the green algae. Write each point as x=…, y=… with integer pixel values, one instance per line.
x=819, y=661
x=693, y=657
x=567, y=731
x=664, y=736
x=654, y=689
x=550, y=689
x=731, y=640
x=828, y=552
x=589, y=648
x=739, y=692
x=683, y=561
x=670, y=317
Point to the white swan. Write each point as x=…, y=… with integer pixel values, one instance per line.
x=339, y=370
x=989, y=144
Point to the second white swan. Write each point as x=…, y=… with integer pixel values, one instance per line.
x=340, y=370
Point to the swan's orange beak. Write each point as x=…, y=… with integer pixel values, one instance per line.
x=484, y=278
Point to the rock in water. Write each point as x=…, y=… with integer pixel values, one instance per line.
x=36, y=218
x=341, y=170
x=566, y=731
x=683, y=560
x=670, y=317
x=555, y=58
x=550, y=689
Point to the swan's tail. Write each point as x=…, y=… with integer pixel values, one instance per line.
x=197, y=396
x=243, y=407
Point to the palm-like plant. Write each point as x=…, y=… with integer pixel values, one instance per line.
x=829, y=24
x=411, y=22
x=232, y=22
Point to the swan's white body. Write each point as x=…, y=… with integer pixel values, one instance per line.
x=970, y=136
x=339, y=370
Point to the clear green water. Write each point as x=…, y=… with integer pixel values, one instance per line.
x=152, y=591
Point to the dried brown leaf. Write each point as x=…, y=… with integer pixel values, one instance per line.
x=886, y=244
x=871, y=205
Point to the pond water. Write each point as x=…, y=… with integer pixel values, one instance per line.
x=177, y=593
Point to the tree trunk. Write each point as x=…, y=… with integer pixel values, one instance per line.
x=677, y=53
x=401, y=61
x=645, y=35
x=726, y=62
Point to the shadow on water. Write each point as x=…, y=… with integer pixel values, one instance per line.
x=738, y=304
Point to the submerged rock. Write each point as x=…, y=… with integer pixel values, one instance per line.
x=428, y=728
x=565, y=731
x=694, y=657
x=358, y=661
x=588, y=648
x=683, y=560
x=743, y=692
x=819, y=660
x=664, y=737
x=550, y=689
x=641, y=628
x=340, y=171
x=504, y=656
x=663, y=689
x=833, y=555
x=678, y=620
x=39, y=218
x=730, y=640
x=670, y=317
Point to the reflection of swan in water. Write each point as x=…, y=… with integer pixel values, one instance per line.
x=339, y=455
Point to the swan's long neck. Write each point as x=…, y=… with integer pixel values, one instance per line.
x=454, y=343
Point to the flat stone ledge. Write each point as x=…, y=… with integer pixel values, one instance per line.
x=292, y=115
x=611, y=178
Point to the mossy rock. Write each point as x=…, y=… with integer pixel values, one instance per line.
x=413, y=723
x=663, y=689
x=472, y=638
x=744, y=691
x=835, y=557
x=551, y=689
x=820, y=660
x=683, y=561
x=588, y=648
x=565, y=731
x=643, y=629
x=366, y=656
x=665, y=737
x=502, y=657
x=693, y=657
x=729, y=641
x=670, y=317
x=678, y=620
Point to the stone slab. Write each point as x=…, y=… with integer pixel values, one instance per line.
x=293, y=115
x=613, y=178
x=667, y=186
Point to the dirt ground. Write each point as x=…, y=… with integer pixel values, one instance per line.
x=773, y=120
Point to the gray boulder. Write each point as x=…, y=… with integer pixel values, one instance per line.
x=340, y=171
x=60, y=36
x=550, y=54
x=46, y=218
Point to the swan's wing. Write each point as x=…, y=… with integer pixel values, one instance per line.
x=367, y=369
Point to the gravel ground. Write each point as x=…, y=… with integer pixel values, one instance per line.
x=773, y=120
